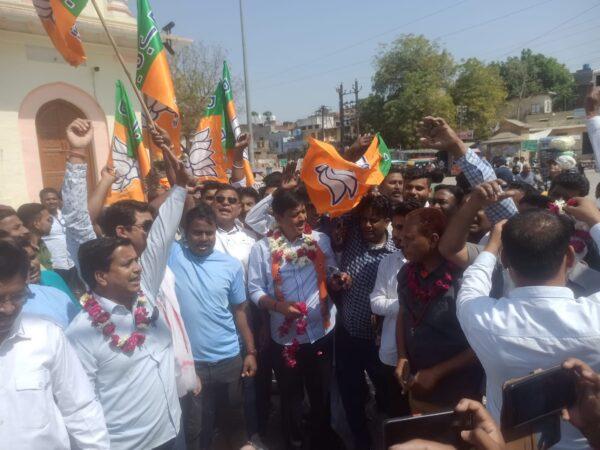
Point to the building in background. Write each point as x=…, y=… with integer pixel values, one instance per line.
x=41, y=94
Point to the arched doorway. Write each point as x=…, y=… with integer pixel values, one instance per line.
x=51, y=121
x=28, y=124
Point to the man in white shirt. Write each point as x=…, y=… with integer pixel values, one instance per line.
x=592, y=103
x=62, y=263
x=232, y=238
x=47, y=401
x=540, y=323
x=384, y=302
x=137, y=388
x=302, y=342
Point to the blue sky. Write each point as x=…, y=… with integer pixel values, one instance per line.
x=299, y=51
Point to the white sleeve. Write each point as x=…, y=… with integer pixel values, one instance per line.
x=476, y=282
x=259, y=218
x=595, y=234
x=78, y=225
x=593, y=127
x=76, y=400
x=384, y=302
x=257, y=273
x=154, y=258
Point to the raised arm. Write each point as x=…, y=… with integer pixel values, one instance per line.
x=453, y=244
x=98, y=195
x=477, y=279
x=155, y=256
x=358, y=148
x=79, y=228
x=238, y=175
x=436, y=133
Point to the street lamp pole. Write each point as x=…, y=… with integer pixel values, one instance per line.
x=247, y=88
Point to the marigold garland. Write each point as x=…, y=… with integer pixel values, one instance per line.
x=101, y=320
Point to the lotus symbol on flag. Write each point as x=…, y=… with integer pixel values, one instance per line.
x=126, y=168
x=339, y=182
x=43, y=9
x=201, y=155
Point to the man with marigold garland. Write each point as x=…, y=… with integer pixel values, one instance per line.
x=435, y=365
x=288, y=274
x=124, y=344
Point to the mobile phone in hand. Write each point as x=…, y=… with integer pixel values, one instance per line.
x=529, y=399
x=443, y=427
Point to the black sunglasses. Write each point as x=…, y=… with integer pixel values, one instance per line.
x=146, y=226
x=230, y=200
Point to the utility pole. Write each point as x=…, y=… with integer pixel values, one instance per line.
x=356, y=90
x=247, y=88
x=323, y=109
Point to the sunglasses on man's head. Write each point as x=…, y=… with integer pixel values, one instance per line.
x=231, y=200
x=146, y=226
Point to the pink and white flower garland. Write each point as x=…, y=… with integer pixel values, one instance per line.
x=101, y=320
x=308, y=253
x=581, y=238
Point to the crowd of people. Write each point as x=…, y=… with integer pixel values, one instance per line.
x=160, y=325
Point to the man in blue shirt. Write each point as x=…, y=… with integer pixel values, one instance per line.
x=212, y=296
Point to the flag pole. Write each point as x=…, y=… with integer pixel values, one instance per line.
x=138, y=94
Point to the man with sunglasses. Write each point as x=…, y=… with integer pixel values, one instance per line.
x=47, y=399
x=232, y=238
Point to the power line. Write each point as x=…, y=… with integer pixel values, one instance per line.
x=545, y=33
x=494, y=19
x=559, y=38
x=362, y=41
x=335, y=69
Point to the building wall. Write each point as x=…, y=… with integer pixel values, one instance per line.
x=30, y=62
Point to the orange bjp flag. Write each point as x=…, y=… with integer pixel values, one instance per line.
x=58, y=18
x=153, y=79
x=336, y=186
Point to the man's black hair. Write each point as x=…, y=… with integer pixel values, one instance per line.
x=416, y=173
x=200, y=212
x=378, y=204
x=526, y=188
x=121, y=213
x=463, y=183
x=274, y=179
x=226, y=187
x=406, y=206
x=454, y=190
x=535, y=200
x=210, y=185
x=284, y=200
x=6, y=211
x=29, y=213
x=437, y=175
x=49, y=190
x=395, y=168
x=249, y=192
x=535, y=242
x=572, y=181
x=13, y=261
x=96, y=255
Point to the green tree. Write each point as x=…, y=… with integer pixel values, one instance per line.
x=531, y=74
x=412, y=79
x=196, y=70
x=480, y=92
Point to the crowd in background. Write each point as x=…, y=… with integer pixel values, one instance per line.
x=161, y=324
